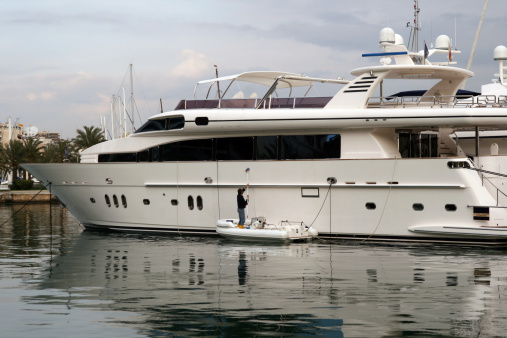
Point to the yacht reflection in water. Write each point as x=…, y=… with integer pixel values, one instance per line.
x=214, y=287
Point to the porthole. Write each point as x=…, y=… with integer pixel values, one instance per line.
x=199, y=202
x=450, y=207
x=371, y=206
x=124, y=201
x=92, y=199
x=146, y=201
x=418, y=206
x=174, y=202
x=190, y=202
x=115, y=200
x=108, y=201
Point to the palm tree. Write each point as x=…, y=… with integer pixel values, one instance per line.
x=11, y=156
x=32, y=150
x=58, y=153
x=89, y=137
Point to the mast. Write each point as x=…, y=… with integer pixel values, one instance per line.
x=113, y=104
x=124, y=115
x=132, y=98
x=416, y=24
x=476, y=39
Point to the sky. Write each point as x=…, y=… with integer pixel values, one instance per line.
x=61, y=61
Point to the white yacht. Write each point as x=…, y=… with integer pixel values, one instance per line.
x=356, y=165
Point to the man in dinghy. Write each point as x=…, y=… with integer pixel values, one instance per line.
x=242, y=203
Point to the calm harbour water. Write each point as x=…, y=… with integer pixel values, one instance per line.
x=57, y=280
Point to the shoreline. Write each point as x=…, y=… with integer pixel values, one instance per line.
x=24, y=196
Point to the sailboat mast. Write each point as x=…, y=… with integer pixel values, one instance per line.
x=132, y=98
x=476, y=39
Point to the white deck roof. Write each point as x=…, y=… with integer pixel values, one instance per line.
x=267, y=78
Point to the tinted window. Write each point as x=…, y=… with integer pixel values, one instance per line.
x=236, y=148
x=152, y=125
x=297, y=147
x=327, y=146
x=267, y=148
x=175, y=123
x=125, y=157
x=144, y=155
x=193, y=150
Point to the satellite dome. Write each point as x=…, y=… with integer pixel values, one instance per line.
x=442, y=42
x=500, y=53
x=387, y=36
x=398, y=40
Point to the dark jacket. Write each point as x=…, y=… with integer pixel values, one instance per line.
x=241, y=201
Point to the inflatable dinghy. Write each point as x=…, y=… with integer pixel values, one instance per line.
x=257, y=230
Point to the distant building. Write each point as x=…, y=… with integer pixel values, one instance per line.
x=16, y=130
x=49, y=137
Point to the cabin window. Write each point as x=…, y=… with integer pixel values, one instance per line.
x=291, y=147
x=371, y=206
x=418, y=206
x=199, y=202
x=124, y=201
x=123, y=157
x=450, y=207
x=92, y=199
x=190, y=200
x=267, y=147
x=174, y=202
x=152, y=125
x=192, y=150
x=176, y=122
x=417, y=145
x=235, y=149
x=301, y=147
x=115, y=200
x=155, y=154
x=146, y=201
x=108, y=201
x=144, y=155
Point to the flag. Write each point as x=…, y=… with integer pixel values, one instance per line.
x=426, y=51
x=450, y=53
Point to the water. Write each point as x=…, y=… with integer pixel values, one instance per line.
x=57, y=280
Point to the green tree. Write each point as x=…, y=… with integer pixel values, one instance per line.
x=88, y=137
x=11, y=156
x=58, y=153
x=33, y=149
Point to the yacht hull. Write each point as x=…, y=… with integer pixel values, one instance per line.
x=384, y=199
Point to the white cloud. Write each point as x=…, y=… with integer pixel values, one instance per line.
x=45, y=96
x=194, y=65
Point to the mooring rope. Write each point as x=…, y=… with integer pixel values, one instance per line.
x=24, y=205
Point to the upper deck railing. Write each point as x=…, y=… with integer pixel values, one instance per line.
x=443, y=101
x=292, y=102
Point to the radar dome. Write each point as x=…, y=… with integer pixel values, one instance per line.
x=387, y=36
x=398, y=40
x=442, y=42
x=500, y=53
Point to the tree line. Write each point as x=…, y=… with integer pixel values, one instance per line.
x=32, y=150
